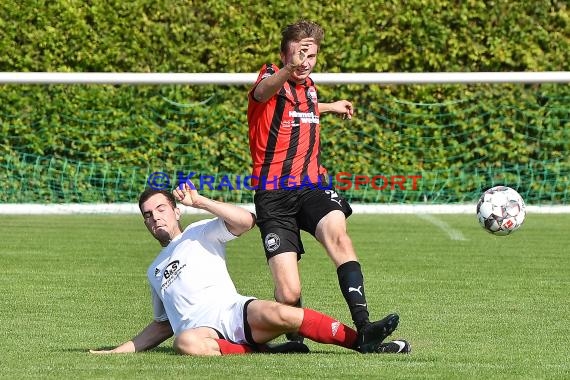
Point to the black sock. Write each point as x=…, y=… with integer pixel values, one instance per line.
x=351, y=284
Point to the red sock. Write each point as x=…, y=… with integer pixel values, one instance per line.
x=323, y=329
x=229, y=348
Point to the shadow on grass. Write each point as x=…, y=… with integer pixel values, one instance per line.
x=162, y=350
x=171, y=351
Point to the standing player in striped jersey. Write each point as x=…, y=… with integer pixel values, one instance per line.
x=291, y=190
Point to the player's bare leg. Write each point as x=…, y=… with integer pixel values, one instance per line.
x=286, y=278
x=268, y=319
x=285, y=271
x=200, y=341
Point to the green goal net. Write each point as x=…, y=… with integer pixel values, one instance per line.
x=430, y=144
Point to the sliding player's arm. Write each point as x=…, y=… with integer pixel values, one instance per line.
x=151, y=336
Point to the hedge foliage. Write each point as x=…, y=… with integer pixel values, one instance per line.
x=225, y=36
x=204, y=127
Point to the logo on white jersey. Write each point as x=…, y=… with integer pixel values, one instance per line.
x=171, y=269
x=171, y=273
x=272, y=242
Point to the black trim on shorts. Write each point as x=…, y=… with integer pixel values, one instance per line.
x=246, y=327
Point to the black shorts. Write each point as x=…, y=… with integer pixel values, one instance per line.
x=283, y=213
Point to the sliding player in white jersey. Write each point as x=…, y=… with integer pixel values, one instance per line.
x=195, y=299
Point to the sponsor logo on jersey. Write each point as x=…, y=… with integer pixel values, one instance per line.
x=171, y=269
x=305, y=117
x=171, y=273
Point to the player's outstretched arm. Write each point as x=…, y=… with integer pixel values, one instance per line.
x=343, y=108
x=237, y=219
x=154, y=334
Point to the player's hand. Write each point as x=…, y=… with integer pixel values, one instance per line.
x=343, y=109
x=122, y=349
x=102, y=352
x=300, y=52
x=187, y=194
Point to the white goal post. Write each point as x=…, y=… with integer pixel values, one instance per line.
x=249, y=78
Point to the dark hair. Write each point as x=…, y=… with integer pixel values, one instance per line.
x=299, y=30
x=149, y=192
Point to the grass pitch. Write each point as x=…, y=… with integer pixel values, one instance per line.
x=473, y=305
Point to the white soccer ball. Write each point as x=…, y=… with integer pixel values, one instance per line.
x=501, y=210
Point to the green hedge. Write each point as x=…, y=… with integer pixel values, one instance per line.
x=222, y=36
x=204, y=127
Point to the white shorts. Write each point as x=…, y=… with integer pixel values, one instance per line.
x=226, y=317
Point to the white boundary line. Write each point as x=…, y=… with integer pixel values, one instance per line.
x=132, y=208
x=443, y=226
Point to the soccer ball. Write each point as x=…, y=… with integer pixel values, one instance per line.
x=501, y=210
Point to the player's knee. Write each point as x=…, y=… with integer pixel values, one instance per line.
x=284, y=317
x=341, y=239
x=338, y=241
x=288, y=296
x=334, y=236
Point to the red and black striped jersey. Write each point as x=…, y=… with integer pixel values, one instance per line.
x=284, y=135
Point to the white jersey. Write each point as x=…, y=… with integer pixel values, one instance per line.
x=190, y=283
